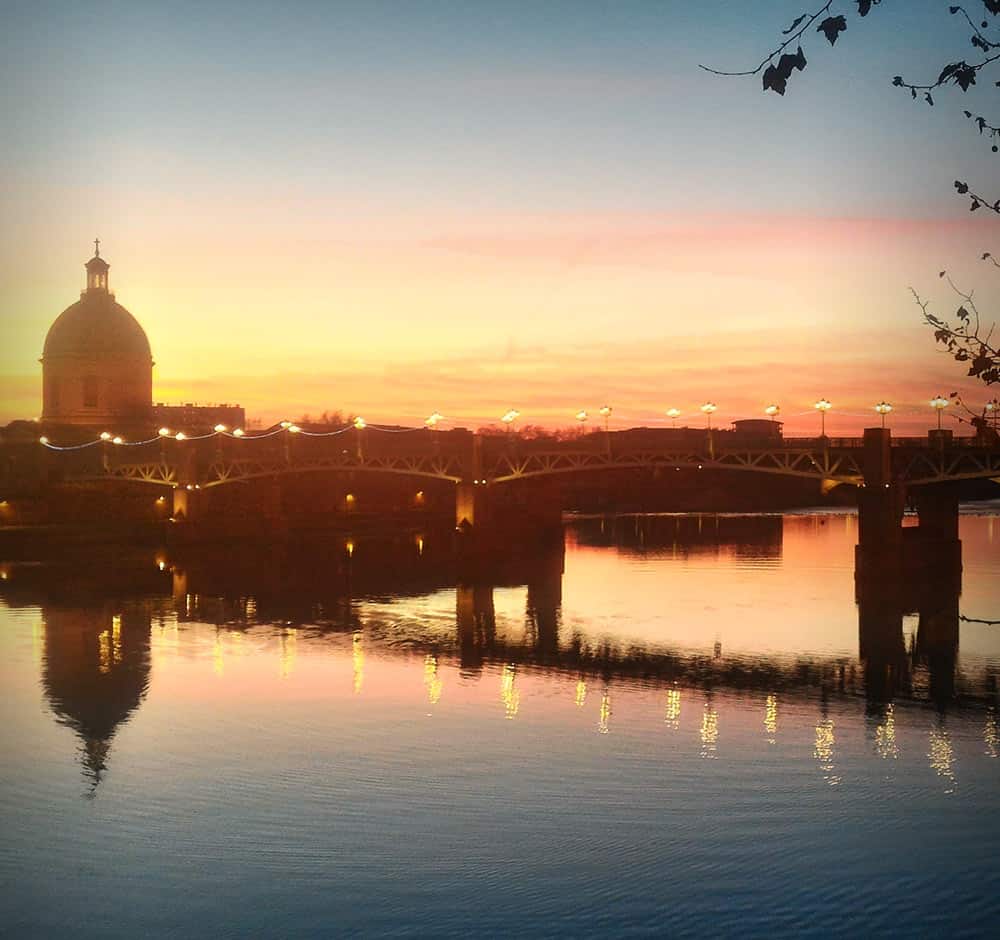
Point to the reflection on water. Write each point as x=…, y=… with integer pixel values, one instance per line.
x=711, y=655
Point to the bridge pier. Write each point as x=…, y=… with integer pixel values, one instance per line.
x=879, y=553
x=182, y=504
x=888, y=552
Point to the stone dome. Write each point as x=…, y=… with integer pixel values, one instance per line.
x=98, y=327
x=97, y=367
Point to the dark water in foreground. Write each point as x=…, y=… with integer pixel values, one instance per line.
x=676, y=727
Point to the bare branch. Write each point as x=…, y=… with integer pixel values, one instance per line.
x=795, y=32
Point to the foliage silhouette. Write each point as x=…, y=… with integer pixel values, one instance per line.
x=777, y=66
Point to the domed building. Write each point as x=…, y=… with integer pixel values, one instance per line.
x=97, y=367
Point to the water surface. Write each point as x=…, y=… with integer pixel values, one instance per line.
x=675, y=724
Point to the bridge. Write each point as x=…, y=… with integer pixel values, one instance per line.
x=484, y=469
x=461, y=456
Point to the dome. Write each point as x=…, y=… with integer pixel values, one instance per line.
x=96, y=327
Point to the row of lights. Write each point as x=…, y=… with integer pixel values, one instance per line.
x=883, y=408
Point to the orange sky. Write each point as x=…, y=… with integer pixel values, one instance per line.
x=395, y=316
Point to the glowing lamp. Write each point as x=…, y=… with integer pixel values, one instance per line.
x=939, y=403
x=164, y=432
x=883, y=408
x=117, y=440
x=360, y=423
x=220, y=428
x=709, y=409
x=238, y=432
x=180, y=436
x=105, y=435
x=822, y=406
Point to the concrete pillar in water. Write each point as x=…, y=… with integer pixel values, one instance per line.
x=182, y=504
x=471, y=504
x=879, y=555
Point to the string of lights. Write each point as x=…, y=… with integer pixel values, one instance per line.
x=939, y=403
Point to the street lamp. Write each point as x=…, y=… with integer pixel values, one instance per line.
x=709, y=408
x=432, y=421
x=164, y=432
x=605, y=413
x=772, y=411
x=883, y=408
x=105, y=435
x=822, y=406
x=220, y=429
x=581, y=416
x=939, y=404
x=238, y=432
x=180, y=436
x=993, y=410
x=117, y=440
x=510, y=417
x=673, y=414
x=360, y=423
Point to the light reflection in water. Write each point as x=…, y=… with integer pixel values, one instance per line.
x=432, y=680
x=771, y=718
x=885, y=736
x=288, y=652
x=218, y=659
x=509, y=695
x=991, y=733
x=709, y=731
x=104, y=651
x=942, y=757
x=823, y=751
x=581, y=693
x=116, y=638
x=358, y=660
x=672, y=718
x=605, y=716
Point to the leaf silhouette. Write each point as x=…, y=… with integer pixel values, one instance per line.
x=832, y=27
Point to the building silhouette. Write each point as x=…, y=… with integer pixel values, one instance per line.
x=97, y=369
x=97, y=366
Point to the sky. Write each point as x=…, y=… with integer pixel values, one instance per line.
x=398, y=208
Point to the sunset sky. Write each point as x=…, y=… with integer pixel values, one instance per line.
x=397, y=208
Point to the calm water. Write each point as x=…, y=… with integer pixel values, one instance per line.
x=678, y=724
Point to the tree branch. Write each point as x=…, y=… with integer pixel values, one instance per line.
x=794, y=35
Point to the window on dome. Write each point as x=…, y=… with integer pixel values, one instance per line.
x=90, y=391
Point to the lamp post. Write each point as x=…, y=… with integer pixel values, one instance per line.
x=510, y=417
x=432, y=421
x=709, y=408
x=673, y=414
x=772, y=411
x=359, y=426
x=822, y=406
x=939, y=403
x=883, y=408
x=581, y=416
x=606, y=414
x=993, y=411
